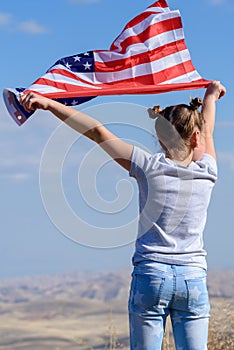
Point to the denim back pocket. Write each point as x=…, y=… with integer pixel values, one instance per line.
x=146, y=293
x=198, y=298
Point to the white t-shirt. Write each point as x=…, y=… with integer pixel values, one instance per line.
x=173, y=203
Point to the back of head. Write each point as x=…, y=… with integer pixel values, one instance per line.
x=175, y=126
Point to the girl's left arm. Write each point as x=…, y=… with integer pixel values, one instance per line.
x=119, y=150
x=214, y=91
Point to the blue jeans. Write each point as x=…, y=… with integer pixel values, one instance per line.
x=162, y=290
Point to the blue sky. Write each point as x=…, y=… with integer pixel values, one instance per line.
x=33, y=36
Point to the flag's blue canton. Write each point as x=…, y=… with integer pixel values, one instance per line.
x=82, y=62
x=66, y=101
x=74, y=101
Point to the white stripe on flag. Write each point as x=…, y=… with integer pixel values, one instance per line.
x=188, y=77
x=143, y=25
x=151, y=44
x=44, y=89
x=159, y=56
x=157, y=9
x=64, y=79
x=141, y=69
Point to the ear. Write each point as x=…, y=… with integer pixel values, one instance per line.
x=195, y=139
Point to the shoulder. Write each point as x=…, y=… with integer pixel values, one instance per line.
x=208, y=164
x=142, y=160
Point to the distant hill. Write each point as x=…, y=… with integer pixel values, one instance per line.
x=88, y=310
x=102, y=286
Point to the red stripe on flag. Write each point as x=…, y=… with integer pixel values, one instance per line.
x=120, y=74
x=150, y=32
x=131, y=24
x=159, y=3
x=65, y=73
x=144, y=57
x=138, y=19
x=144, y=89
x=60, y=85
x=154, y=78
x=137, y=85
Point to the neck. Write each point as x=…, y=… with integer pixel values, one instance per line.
x=181, y=161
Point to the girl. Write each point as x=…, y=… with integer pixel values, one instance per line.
x=169, y=275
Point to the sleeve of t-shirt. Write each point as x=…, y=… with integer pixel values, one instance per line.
x=210, y=163
x=139, y=162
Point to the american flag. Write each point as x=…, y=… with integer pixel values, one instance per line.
x=148, y=57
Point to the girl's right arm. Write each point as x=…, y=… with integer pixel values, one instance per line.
x=213, y=92
x=119, y=150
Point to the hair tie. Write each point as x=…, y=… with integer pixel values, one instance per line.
x=154, y=112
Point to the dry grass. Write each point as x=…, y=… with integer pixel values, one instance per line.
x=221, y=328
x=221, y=332
x=103, y=329
x=65, y=314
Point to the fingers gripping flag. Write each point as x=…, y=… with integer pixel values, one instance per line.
x=148, y=57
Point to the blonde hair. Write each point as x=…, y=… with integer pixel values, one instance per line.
x=175, y=125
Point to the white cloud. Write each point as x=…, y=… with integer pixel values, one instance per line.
x=16, y=177
x=32, y=27
x=11, y=24
x=5, y=18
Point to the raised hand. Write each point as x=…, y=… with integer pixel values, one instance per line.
x=32, y=101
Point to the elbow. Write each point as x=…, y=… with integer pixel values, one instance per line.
x=94, y=134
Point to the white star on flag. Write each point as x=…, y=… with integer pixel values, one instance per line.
x=68, y=65
x=87, y=65
x=77, y=58
x=149, y=56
